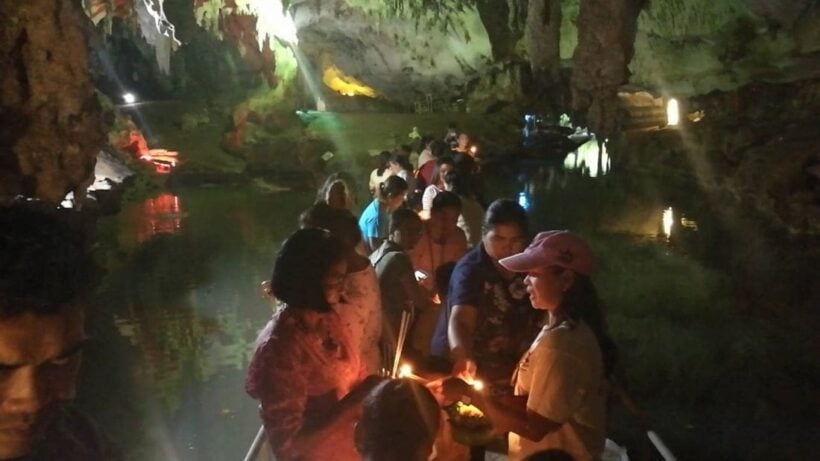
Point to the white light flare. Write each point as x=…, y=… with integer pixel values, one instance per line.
x=668, y=220
x=405, y=371
x=129, y=98
x=672, y=112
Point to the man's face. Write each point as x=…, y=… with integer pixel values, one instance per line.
x=463, y=141
x=39, y=360
x=503, y=240
x=409, y=234
x=445, y=220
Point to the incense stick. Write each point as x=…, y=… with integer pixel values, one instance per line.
x=405, y=323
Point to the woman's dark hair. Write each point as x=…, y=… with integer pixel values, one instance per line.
x=340, y=223
x=401, y=217
x=301, y=266
x=401, y=158
x=581, y=302
x=425, y=141
x=445, y=199
x=505, y=211
x=440, y=161
x=336, y=178
x=438, y=148
x=459, y=183
x=45, y=258
x=384, y=162
x=398, y=417
x=392, y=187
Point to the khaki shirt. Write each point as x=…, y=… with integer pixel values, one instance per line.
x=562, y=377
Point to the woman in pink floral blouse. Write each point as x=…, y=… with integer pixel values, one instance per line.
x=305, y=371
x=360, y=303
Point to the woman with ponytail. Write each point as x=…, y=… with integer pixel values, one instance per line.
x=374, y=221
x=561, y=381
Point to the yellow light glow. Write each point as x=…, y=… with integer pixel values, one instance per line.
x=672, y=112
x=344, y=84
x=405, y=371
x=478, y=385
x=668, y=219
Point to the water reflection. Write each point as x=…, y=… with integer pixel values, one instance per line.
x=180, y=301
x=157, y=215
x=588, y=159
x=179, y=342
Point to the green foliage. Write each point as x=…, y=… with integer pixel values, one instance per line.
x=427, y=14
x=676, y=324
x=690, y=18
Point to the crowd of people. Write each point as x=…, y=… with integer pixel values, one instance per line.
x=486, y=304
x=484, y=307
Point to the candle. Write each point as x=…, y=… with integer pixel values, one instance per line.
x=405, y=371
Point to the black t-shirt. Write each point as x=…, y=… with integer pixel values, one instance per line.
x=72, y=436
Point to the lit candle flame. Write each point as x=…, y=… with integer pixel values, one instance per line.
x=405, y=371
x=477, y=385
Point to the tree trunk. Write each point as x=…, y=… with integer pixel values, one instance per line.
x=501, y=19
x=606, y=39
x=542, y=36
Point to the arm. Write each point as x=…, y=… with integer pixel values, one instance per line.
x=372, y=243
x=460, y=331
x=277, y=377
x=347, y=410
x=464, y=295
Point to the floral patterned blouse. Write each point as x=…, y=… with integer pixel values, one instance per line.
x=361, y=312
x=303, y=365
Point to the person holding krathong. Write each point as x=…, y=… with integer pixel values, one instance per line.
x=306, y=372
x=561, y=381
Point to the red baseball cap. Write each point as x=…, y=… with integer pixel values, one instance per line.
x=553, y=248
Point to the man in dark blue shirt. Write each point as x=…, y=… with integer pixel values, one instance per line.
x=488, y=321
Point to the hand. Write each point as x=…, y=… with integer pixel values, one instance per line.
x=464, y=369
x=436, y=387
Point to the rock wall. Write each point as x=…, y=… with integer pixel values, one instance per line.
x=402, y=57
x=757, y=144
x=50, y=120
x=693, y=47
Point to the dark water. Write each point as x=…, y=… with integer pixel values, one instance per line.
x=176, y=317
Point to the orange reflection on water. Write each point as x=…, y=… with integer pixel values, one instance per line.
x=159, y=215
